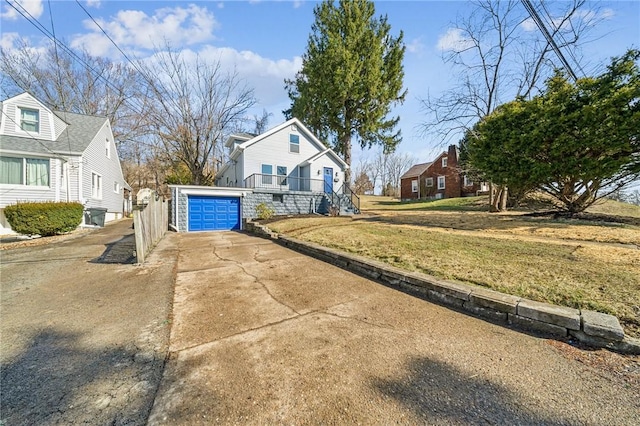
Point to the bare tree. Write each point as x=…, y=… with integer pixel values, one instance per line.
x=386, y=169
x=79, y=83
x=397, y=164
x=193, y=104
x=499, y=55
x=261, y=123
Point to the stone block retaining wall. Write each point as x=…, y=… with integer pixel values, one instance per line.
x=592, y=328
x=286, y=203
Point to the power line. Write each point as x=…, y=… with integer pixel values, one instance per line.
x=143, y=73
x=55, y=47
x=557, y=30
x=33, y=21
x=53, y=153
x=545, y=32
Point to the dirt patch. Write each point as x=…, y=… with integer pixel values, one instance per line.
x=620, y=367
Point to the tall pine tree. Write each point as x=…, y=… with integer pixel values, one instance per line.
x=351, y=76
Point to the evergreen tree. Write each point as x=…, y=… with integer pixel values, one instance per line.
x=351, y=76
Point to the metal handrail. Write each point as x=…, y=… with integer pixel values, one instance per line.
x=283, y=183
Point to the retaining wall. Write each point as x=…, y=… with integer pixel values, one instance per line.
x=589, y=327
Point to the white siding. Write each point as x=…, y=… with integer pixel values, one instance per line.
x=58, y=126
x=17, y=193
x=11, y=126
x=233, y=176
x=274, y=150
x=95, y=160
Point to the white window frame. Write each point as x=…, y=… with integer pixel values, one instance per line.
x=429, y=182
x=96, y=186
x=22, y=120
x=116, y=187
x=266, y=178
x=296, y=144
x=24, y=178
x=444, y=161
x=467, y=181
x=107, y=147
x=441, y=182
x=414, y=185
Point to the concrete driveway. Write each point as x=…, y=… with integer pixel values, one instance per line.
x=264, y=335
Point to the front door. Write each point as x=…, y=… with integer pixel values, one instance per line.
x=328, y=180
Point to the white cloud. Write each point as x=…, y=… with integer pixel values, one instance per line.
x=8, y=41
x=416, y=45
x=588, y=17
x=94, y=3
x=453, y=40
x=529, y=25
x=221, y=5
x=32, y=7
x=297, y=3
x=266, y=76
x=134, y=29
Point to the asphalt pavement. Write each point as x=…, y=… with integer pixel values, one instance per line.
x=84, y=331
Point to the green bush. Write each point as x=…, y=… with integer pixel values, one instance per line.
x=44, y=219
x=264, y=212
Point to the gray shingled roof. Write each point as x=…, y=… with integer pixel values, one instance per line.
x=74, y=140
x=416, y=170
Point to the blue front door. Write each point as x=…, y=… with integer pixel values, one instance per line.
x=328, y=180
x=208, y=213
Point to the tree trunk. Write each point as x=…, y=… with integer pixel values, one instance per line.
x=503, y=198
x=498, y=195
x=346, y=150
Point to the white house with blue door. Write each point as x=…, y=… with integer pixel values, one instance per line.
x=285, y=168
x=288, y=157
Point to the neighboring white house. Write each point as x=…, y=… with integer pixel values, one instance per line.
x=286, y=169
x=50, y=155
x=286, y=158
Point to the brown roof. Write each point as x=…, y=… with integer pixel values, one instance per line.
x=416, y=170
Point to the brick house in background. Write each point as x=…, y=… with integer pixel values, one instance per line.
x=441, y=178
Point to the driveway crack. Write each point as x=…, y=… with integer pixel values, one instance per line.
x=256, y=278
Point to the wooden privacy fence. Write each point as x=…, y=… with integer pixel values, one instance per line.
x=150, y=226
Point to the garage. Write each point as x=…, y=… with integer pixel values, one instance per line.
x=213, y=213
x=196, y=208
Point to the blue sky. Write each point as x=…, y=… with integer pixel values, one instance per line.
x=264, y=41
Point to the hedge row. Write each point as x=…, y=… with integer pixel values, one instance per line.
x=45, y=219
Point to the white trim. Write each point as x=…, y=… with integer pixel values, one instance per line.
x=213, y=193
x=444, y=182
x=100, y=181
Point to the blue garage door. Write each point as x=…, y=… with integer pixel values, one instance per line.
x=208, y=213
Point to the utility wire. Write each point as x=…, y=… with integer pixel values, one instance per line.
x=55, y=49
x=33, y=21
x=557, y=30
x=137, y=68
x=545, y=32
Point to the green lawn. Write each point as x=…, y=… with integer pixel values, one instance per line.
x=573, y=263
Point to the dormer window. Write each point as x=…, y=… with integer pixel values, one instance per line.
x=444, y=161
x=30, y=120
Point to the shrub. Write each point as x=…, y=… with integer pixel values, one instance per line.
x=46, y=219
x=264, y=212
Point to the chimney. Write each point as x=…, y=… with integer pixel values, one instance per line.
x=452, y=156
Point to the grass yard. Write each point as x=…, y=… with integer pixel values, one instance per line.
x=576, y=263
